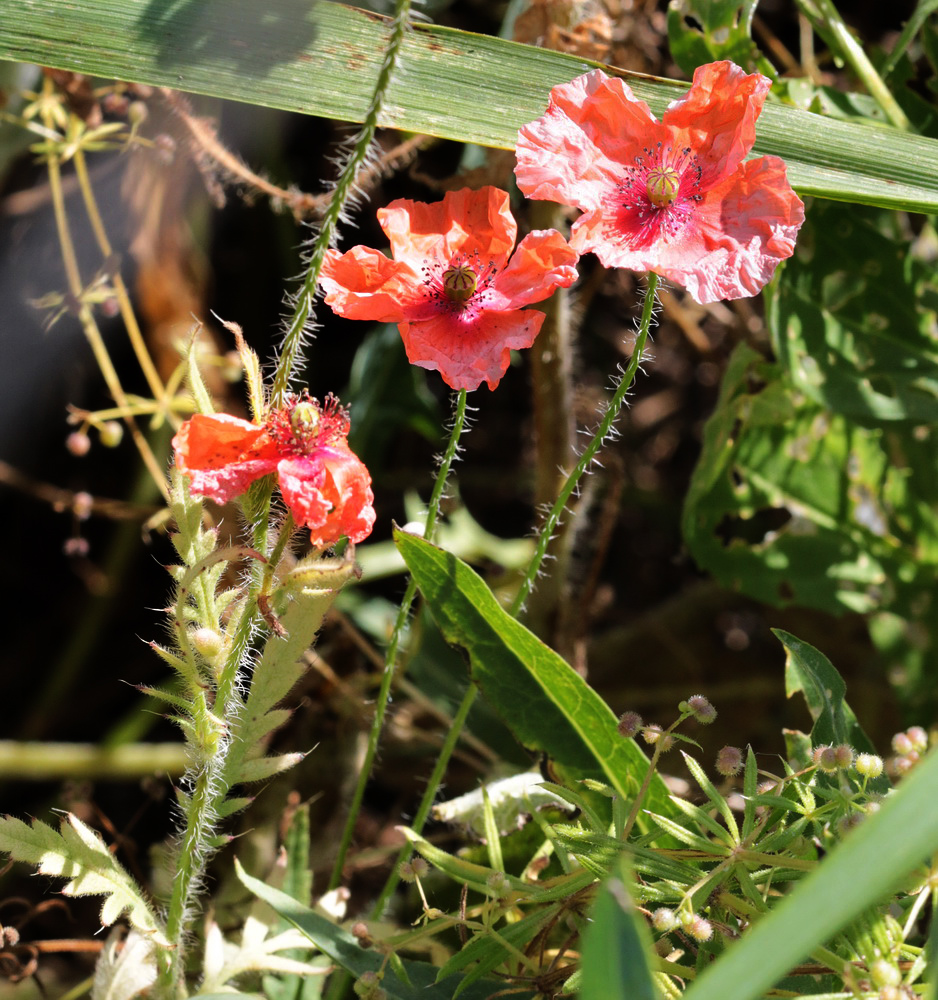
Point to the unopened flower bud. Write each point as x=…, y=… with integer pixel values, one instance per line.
x=729, y=761
x=208, y=642
x=78, y=443
x=825, y=759
x=361, y=934
x=843, y=756
x=82, y=505
x=699, y=928
x=137, y=112
x=884, y=973
x=411, y=870
x=902, y=744
x=11, y=936
x=76, y=548
x=868, y=765
x=498, y=883
x=918, y=737
x=664, y=919
x=110, y=433
x=630, y=724
x=902, y=765
x=655, y=735
x=700, y=708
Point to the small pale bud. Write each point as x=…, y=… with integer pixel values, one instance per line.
x=699, y=928
x=411, y=870
x=868, y=765
x=700, y=708
x=137, y=112
x=498, y=883
x=902, y=765
x=208, y=642
x=729, y=761
x=82, y=505
x=664, y=919
x=825, y=759
x=110, y=433
x=902, y=744
x=630, y=724
x=654, y=735
x=843, y=756
x=918, y=738
x=361, y=934
x=76, y=548
x=78, y=443
x=884, y=973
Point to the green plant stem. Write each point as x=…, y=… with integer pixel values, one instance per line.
x=589, y=453
x=459, y=719
x=390, y=656
x=853, y=52
x=303, y=306
x=200, y=815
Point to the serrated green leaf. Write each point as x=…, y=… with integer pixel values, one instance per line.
x=345, y=951
x=79, y=854
x=548, y=706
x=325, y=58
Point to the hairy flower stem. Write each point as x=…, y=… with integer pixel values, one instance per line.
x=390, y=656
x=303, y=307
x=459, y=719
x=586, y=459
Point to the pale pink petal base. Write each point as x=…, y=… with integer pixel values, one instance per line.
x=229, y=481
x=478, y=352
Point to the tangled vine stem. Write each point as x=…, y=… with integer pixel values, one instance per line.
x=390, y=655
x=544, y=536
x=303, y=307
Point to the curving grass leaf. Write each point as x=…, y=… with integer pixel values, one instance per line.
x=324, y=59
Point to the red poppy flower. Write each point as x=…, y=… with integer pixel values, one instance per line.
x=451, y=287
x=674, y=196
x=324, y=484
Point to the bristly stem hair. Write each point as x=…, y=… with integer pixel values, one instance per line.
x=390, y=655
x=344, y=188
x=546, y=532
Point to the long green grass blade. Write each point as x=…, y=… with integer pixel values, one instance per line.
x=323, y=58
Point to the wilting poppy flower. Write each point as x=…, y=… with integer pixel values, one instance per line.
x=324, y=484
x=453, y=286
x=674, y=196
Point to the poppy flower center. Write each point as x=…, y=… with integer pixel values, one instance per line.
x=662, y=184
x=459, y=283
x=304, y=421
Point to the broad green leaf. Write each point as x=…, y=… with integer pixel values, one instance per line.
x=853, y=321
x=703, y=31
x=809, y=671
x=885, y=848
x=324, y=58
x=345, y=950
x=616, y=949
x=79, y=854
x=792, y=504
x=544, y=701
